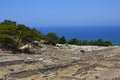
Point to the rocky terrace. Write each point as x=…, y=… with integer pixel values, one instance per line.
x=61, y=63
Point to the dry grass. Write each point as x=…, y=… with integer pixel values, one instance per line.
x=33, y=77
x=65, y=71
x=2, y=73
x=99, y=68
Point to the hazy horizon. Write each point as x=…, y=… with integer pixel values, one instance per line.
x=83, y=33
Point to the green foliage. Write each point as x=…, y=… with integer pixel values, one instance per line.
x=82, y=51
x=13, y=35
x=7, y=43
x=16, y=34
x=8, y=23
x=74, y=41
x=56, y=73
x=52, y=38
x=62, y=40
x=96, y=77
x=107, y=43
x=98, y=42
x=84, y=42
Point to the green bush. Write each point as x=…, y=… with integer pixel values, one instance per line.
x=52, y=38
x=82, y=51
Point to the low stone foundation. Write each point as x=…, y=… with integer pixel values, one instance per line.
x=8, y=63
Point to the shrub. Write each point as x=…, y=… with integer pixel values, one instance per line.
x=82, y=51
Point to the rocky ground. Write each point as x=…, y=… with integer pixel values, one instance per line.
x=62, y=63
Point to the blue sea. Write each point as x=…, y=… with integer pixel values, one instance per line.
x=85, y=33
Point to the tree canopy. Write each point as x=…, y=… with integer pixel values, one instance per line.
x=16, y=33
x=62, y=40
x=52, y=38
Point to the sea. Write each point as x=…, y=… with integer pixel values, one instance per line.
x=85, y=33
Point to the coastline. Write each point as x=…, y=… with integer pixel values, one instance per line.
x=84, y=33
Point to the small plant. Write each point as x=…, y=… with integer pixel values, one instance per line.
x=96, y=77
x=82, y=51
x=46, y=78
x=56, y=73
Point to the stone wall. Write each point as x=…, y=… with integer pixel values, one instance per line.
x=43, y=69
x=84, y=69
x=8, y=63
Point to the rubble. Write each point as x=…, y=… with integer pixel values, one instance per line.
x=65, y=62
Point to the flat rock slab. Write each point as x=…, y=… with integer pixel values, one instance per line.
x=108, y=74
x=9, y=58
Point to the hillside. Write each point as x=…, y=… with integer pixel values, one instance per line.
x=70, y=60
x=13, y=35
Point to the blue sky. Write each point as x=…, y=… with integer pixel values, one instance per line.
x=58, y=13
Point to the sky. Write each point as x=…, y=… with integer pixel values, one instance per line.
x=61, y=13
